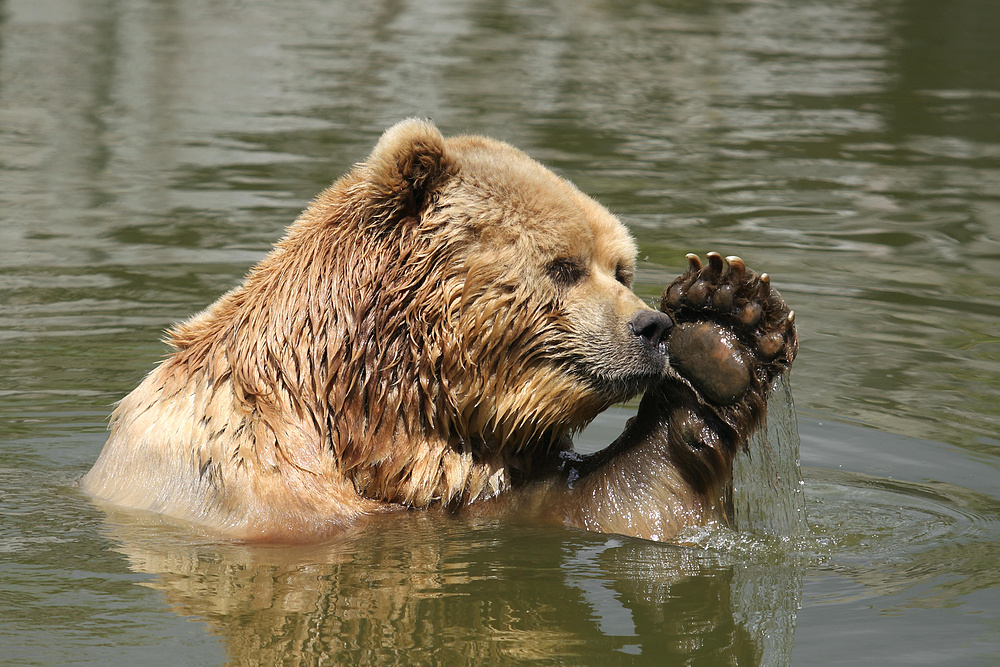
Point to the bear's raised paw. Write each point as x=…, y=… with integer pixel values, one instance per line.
x=733, y=332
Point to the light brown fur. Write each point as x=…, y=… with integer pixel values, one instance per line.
x=429, y=332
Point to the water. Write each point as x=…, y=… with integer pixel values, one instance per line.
x=150, y=151
x=767, y=477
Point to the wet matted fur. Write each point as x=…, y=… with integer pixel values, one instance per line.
x=430, y=331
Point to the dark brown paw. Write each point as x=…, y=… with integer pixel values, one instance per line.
x=733, y=332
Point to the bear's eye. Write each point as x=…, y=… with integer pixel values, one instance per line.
x=566, y=272
x=625, y=275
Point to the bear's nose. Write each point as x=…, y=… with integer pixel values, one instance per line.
x=651, y=326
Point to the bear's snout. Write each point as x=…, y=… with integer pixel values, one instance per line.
x=652, y=327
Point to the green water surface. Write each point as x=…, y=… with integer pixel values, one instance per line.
x=152, y=150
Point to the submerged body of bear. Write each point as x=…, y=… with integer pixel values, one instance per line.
x=430, y=331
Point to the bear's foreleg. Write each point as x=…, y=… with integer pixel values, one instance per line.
x=672, y=467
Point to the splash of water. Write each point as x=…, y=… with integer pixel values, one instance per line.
x=768, y=500
x=767, y=483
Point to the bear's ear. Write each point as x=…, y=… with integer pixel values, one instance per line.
x=406, y=167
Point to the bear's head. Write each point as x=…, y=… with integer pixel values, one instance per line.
x=448, y=291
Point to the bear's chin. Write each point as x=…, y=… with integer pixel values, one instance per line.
x=621, y=387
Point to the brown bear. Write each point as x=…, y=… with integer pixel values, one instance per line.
x=430, y=332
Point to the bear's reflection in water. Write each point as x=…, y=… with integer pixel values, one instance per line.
x=424, y=586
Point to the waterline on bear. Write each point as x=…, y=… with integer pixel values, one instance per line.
x=429, y=333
